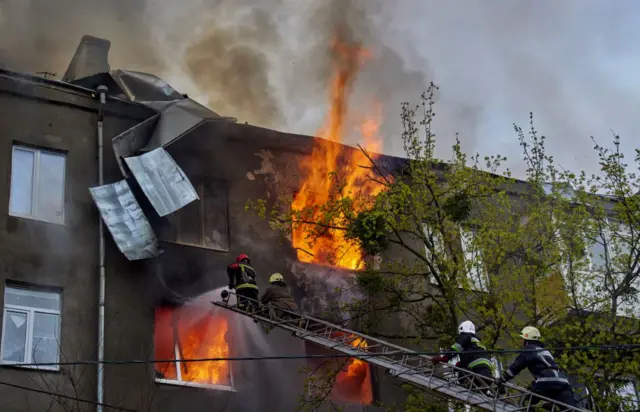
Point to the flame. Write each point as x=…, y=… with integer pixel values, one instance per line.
x=329, y=156
x=357, y=366
x=190, y=333
x=207, y=342
x=354, y=384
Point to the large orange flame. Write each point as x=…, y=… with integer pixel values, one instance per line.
x=354, y=384
x=188, y=333
x=331, y=157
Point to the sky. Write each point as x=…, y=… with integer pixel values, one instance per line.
x=573, y=63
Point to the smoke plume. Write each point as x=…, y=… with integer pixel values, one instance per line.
x=266, y=62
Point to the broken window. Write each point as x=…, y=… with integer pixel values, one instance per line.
x=31, y=326
x=37, y=184
x=191, y=332
x=204, y=222
x=351, y=378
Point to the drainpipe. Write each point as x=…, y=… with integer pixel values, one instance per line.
x=102, y=90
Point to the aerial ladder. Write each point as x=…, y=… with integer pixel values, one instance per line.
x=405, y=364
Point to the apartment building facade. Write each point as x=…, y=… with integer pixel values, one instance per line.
x=50, y=264
x=157, y=307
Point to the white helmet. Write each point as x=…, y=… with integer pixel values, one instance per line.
x=467, y=327
x=530, y=333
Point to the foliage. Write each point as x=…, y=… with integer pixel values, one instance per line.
x=463, y=239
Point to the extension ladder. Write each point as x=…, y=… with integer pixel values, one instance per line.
x=400, y=362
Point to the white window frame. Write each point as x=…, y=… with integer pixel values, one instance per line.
x=606, y=237
x=180, y=382
x=201, y=208
x=477, y=275
x=438, y=245
x=30, y=313
x=634, y=383
x=35, y=183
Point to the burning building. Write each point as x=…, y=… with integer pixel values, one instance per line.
x=170, y=198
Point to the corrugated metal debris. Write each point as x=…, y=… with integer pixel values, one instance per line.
x=177, y=118
x=162, y=180
x=127, y=223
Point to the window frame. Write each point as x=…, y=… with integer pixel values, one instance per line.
x=180, y=382
x=634, y=384
x=474, y=274
x=30, y=314
x=199, y=187
x=439, y=244
x=35, y=183
x=427, y=231
x=605, y=235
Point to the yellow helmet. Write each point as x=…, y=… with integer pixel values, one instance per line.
x=530, y=333
x=276, y=277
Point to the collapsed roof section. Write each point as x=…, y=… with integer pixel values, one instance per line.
x=161, y=179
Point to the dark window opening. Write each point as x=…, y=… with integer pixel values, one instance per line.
x=203, y=223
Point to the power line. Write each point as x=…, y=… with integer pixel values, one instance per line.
x=334, y=356
x=73, y=398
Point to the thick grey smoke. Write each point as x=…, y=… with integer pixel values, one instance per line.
x=266, y=62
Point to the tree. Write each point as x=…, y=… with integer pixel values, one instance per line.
x=464, y=239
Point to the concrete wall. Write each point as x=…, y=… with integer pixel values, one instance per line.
x=254, y=163
x=37, y=253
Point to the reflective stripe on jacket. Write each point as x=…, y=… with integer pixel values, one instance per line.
x=472, y=352
x=540, y=364
x=241, y=276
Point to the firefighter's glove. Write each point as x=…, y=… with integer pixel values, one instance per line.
x=439, y=359
x=501, y=380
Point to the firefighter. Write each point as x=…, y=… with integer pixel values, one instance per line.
x=242, y=278
x=278, y=294
x=472, y=354
x=548, y=380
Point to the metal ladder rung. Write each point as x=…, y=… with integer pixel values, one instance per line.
x=411, y=367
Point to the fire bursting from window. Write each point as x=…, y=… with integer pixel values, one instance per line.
x=192, y=333
x=327, y=157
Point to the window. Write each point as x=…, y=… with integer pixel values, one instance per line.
x=607, y=248
x=30, y=326
x=476, y=273
x=202, y=223
x=438, y=246
x=192, y=332
x=629, y=394
x=353, y=382
x=37, y=184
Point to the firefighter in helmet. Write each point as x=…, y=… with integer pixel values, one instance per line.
x=548, y=380
x=242, y=278
x=472, y=354
x=279, y=296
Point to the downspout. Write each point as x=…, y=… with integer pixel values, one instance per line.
x=102, y=90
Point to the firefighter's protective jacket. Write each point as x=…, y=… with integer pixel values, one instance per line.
x=241, y=276
x=279, y=295
x=471, y=352
x=540, y=363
